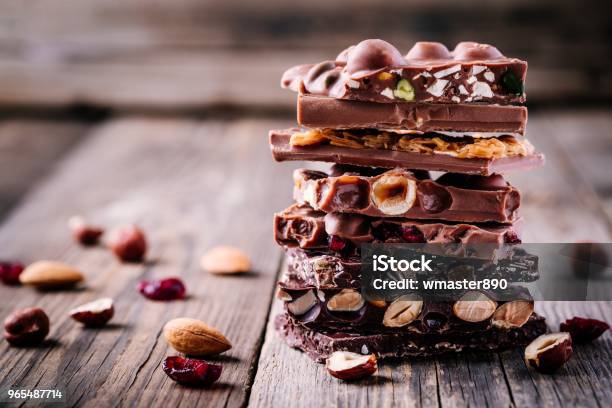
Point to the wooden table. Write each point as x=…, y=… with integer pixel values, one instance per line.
x=192, y=184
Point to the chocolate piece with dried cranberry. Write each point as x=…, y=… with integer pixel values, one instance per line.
x=301, y=226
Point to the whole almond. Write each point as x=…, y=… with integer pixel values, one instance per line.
x=194, y=337
x=225, y=260
x=50, y=275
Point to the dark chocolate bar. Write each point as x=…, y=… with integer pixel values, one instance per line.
x=325, y=269
x=376, y=71
x=319, y=345
x=325, y=112
x=348, y=310
x=399, y=193
x=282, y=150
x=301, y=226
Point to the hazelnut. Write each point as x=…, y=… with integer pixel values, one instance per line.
x=303, y=304
x=474, y=307
x=84, y=233
x=549, y=352
x=94, y=314
x=402, y=311
x=393, y=194
x=225, y=260
x=128, y=243
x=347, y=300
x=27, y=327
x=513, y=314
x=351, y=366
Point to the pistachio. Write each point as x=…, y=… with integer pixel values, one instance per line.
x=404, y=90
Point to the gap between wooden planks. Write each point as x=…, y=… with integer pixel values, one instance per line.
x=190, y=185
x=559, y=206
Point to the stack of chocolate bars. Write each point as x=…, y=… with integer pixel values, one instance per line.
x=386, y=121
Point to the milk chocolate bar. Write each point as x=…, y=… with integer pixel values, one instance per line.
x=376, y=71
x=326, y=269
x=399, y=193
x=319, y=345
x=326, y=112
x=348, y=310
x=283, y=150
x=301, y=226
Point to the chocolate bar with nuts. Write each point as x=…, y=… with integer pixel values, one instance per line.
x=376, y=71
x=301, y=226
x=326, y=269
x=319, y=345
x=486, y=157
x=325, y=112
x=400, y=193
x=348, y=310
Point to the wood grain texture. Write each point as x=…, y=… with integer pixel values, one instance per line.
x=29, y=149
x=190, y=186
x=559, y=206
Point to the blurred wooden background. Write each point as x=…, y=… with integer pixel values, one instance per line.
x=189, y=55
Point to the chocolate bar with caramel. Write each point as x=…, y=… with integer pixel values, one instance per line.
x=400, y=193
x=469, y=156
x=301, y=226
x=319, y=345
x=376, y=71
x=472, y=119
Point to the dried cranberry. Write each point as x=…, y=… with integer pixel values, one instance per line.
x=336, y=243
x=190, y=371
x=584, y=330
x=512, y=237
x=412, y=235
x=165, y=289
x=10, y=271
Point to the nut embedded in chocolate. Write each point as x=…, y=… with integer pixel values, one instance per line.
x=393, y=194
x=402, y=311
x=549, y=352
x=346, y=365
x=513, y=314
x=303, y=304
x=474, y=51
x=474, y=307
x=371, y=55
x=425, y=50
x=347, y=300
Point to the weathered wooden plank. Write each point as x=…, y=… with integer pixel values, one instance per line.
x=558, y=207
x=190, y=185
x=28, y=150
